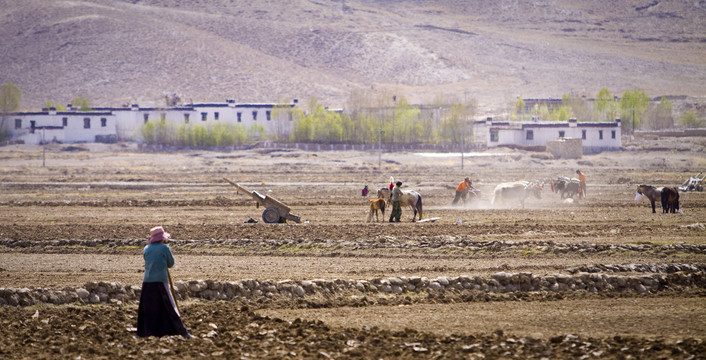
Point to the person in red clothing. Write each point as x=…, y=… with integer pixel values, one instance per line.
x=582, y=180
x=462, y=190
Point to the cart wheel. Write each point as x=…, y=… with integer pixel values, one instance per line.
x=271, y=215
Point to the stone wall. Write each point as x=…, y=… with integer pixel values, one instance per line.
x=673, y=276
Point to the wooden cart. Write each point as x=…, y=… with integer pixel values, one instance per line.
x=275, y=210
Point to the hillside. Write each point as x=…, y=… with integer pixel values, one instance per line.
x=115, y=52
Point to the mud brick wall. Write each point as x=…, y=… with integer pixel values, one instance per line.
x=566, y=148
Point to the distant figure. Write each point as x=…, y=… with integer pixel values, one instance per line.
x=392, y=183
x=395, y=200
x=582, y=180
x=462, y=190
x=365, y=190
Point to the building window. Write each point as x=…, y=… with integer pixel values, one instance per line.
x=215, y=115
x=104, y=122
x=494, y=136
x=612, y=134
x=561, y=134
x=529, y=135
x=254, y=115
x=86, y=123
x=204, y=116
x=18, y=123
x=65, y=122
x=583, y=134
x=240, y=117
x=186, y=118
x=600, y=134
x=268, y=115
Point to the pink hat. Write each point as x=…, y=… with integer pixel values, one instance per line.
x=157, y=234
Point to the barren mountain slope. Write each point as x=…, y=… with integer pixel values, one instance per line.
x=115, y=52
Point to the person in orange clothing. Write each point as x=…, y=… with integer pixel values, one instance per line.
x=582, y=180
x=462, y=190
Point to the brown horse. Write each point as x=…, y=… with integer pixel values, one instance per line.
x=652, y=193
x=375, y=205
x=670, y=199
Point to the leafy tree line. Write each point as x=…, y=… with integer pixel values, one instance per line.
x=79, y=102
x=372, y=120
x=209, y=135
x=634, y=109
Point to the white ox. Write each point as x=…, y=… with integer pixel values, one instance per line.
x=512, y=192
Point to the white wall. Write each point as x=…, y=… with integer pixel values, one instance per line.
x=74, y=131
x=130, y=121
x=50, y=125
x=516, y=134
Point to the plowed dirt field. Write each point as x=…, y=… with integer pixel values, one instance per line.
x=79, y=214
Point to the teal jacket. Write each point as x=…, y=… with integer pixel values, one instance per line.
x=158, y=257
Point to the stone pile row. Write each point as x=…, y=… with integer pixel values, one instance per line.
x=546, y=246
x=381, y=242
x=642, y=268
x=502, y=282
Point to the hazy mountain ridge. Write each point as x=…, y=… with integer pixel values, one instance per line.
x=115, y=52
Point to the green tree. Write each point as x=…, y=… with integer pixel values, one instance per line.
x=562, y=113
x=10, y=97
x=605, y=106
x=543, y=112
x=518, y=113
x=450, y=129
x=55, y=105
x=148, y=133
x=407, y=123
x=206, y=135
x=319, y=126
x=633, y=105
x=303, y=130
x=691, y=120
x=81, y=103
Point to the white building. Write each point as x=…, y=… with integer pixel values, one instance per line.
x=103, y=124
x=61, y=126
x=274, y=118
x=595, y=136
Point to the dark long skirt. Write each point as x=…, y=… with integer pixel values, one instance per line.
x=157, y=314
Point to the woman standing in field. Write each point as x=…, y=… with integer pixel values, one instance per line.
x=157, y=314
